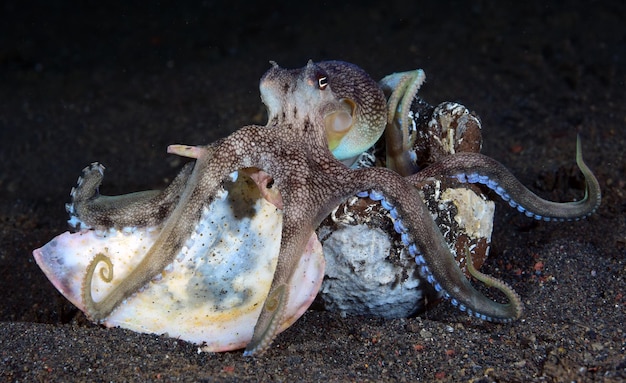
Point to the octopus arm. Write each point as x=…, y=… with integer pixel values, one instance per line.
x=401, y=88
x=293, y=242
x=420, y=234
x=140, y=209
x=309, y=194
x=178, y=225
x=477, y=168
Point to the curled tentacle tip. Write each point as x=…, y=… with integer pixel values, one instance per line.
x=593, y=193
x=515, y=306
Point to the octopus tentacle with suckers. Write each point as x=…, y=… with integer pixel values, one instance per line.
x=316, y=115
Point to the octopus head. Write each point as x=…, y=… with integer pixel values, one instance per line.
x=351, y=104
x=292, y=94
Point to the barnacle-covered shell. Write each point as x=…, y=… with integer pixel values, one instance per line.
x=369, y=269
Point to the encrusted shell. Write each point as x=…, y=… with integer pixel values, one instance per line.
x=369, y=270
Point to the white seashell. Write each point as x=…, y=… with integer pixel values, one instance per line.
x=213, y=294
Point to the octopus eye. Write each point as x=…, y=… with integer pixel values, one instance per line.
x=322, y=82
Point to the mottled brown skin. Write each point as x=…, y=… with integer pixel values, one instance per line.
x=536, y=207
x=293, y=149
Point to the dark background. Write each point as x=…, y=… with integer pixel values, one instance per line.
x=93, y=81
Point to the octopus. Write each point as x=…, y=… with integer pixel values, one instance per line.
x=320, y=119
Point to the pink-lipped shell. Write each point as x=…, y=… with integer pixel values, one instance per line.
x=213, y=292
